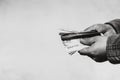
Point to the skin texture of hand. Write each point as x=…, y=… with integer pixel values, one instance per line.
x=97, y=45
x=97, y=49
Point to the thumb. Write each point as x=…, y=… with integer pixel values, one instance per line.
x=85, y=51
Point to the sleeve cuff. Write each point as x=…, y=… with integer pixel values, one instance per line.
x=113, y=49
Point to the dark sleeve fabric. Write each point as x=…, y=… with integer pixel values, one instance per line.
x=113, y=49
x=113, y=43
x=115, y=24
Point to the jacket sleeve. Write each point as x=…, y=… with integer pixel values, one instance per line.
x=113, y=43
x=113, y=49
x=115, y=24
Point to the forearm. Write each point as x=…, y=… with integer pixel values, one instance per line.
x=113, y=49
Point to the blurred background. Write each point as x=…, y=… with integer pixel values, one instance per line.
x=31, y=49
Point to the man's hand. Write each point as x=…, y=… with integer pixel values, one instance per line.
x=97, y=49
x=97, y=44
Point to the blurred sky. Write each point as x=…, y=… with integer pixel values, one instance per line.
x=31, y=49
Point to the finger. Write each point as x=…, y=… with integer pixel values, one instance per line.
x=85, y=51
x=88, y=52
x=88, y=41
x=90, y=28
x=97, y=27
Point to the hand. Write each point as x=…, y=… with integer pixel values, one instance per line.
x=97, y=44
x=97, y=49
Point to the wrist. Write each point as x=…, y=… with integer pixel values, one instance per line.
x=110, y=27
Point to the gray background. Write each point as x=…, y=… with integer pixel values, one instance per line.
x=31, y=49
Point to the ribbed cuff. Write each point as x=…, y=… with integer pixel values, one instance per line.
x=113, y=49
